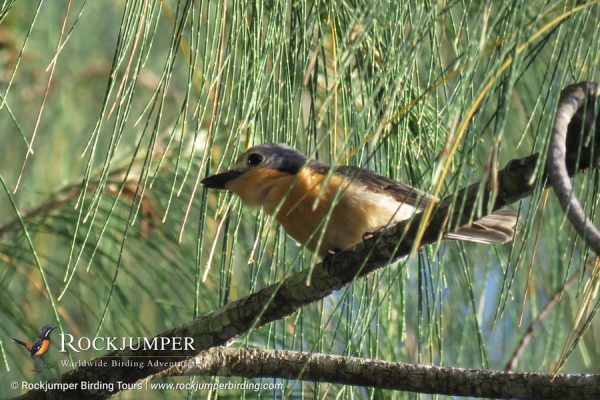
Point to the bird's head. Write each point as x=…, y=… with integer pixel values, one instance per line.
x=256, y=171
x=46, y=331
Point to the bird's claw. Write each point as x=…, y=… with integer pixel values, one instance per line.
x=371, y=235
x=330, y=253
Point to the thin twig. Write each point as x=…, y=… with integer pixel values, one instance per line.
x=211, y=124
x=526, y=339
x=46, y=92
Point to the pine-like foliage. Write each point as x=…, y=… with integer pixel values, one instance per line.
x=112, y=112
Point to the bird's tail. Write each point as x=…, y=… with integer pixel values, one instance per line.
x=496, y=228
x=17, y=341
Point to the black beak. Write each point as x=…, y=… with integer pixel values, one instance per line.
x=220, y=180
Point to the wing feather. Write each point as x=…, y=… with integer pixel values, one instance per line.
x=496, y=228
x=380, y=184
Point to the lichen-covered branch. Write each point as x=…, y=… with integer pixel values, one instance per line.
x=516, y=181
x=328, y=368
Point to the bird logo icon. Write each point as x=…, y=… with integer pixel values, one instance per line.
x=40, y=346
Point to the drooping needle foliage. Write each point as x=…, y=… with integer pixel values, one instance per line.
x=112, y=112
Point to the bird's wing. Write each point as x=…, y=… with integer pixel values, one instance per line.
x=380, y=184
x=496, y=228
x=36, y=346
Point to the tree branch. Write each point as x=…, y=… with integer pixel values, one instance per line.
x=55, y=201
x=516, y=181
x=261, y=363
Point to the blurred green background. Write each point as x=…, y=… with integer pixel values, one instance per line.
x=128, y=103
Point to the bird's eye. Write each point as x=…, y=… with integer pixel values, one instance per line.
x=254, y=159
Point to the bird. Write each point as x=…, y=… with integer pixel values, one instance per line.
x=40, y=346
x=330, y=209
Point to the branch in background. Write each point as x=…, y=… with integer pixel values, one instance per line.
x=571, y=101
x=516, y=181
x=327, y=368
x=46, y=207
x=56, y=201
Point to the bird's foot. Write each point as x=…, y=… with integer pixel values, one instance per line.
x=371, y=235
x=329, y=257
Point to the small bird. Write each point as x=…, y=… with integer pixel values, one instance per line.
x=41, y=345
x=348, y=202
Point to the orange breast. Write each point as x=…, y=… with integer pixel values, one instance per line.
x=341, y=224
x=344, y=212
x=253, y=186
x=43, y=348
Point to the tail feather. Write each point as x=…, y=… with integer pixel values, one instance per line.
x=496, y=228
x=17, y=341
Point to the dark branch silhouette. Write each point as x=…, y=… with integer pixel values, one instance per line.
x=516, y=181
x=572, y=99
